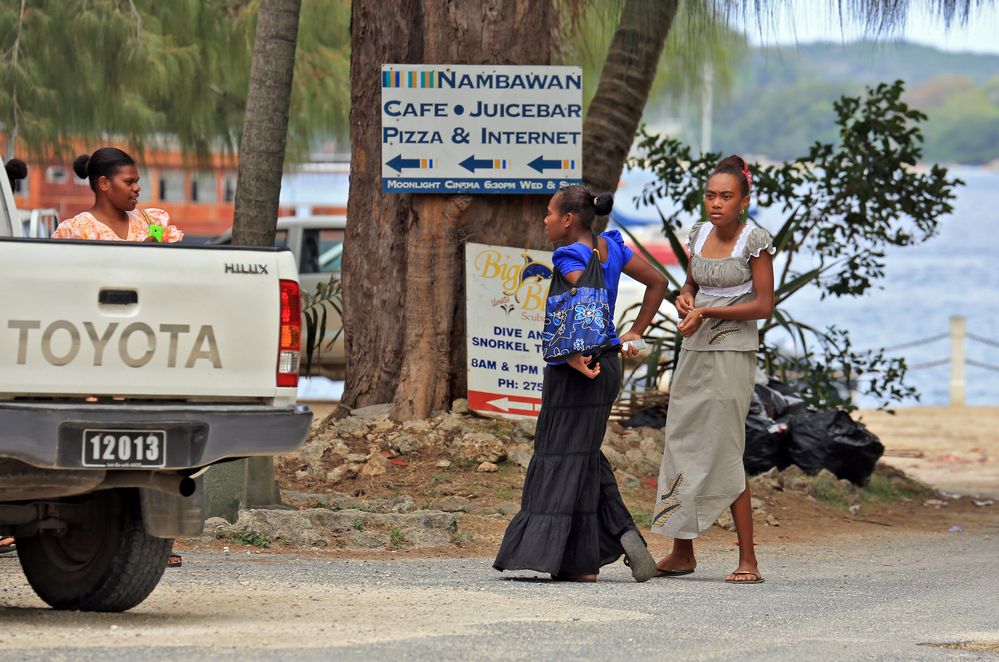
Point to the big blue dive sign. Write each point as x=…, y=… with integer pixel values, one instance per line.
x=481, y=129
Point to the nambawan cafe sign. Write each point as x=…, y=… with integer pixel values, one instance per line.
x=481, y=129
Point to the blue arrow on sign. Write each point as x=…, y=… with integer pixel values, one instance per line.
x=398, y=163
x=541, y=164
x=472, y=163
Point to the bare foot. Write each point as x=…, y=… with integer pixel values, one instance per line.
x=676, y=562
x=6, y=542
x=573, y=577
x=748, y=572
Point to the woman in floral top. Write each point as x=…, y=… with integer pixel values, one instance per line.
x=115, y=182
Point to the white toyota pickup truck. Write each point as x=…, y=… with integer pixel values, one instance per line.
x=126, y=371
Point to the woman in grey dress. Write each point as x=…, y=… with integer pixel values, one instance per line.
x=729, y=287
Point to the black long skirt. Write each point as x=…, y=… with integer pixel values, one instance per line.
x=572, y=515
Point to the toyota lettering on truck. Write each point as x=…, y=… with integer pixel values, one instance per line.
x=121, y=386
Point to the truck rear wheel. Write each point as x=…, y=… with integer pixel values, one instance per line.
x=103, y=561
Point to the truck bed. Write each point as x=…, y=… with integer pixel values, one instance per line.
x=141, y=321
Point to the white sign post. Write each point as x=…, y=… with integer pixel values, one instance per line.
x=481, y=129
x=505, y=313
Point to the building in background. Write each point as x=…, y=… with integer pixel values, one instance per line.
x=199, y=197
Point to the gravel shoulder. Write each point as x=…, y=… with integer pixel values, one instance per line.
x=882, y=597
x=395, y=563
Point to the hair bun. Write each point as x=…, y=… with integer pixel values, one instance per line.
x=16, y=169
x=733, y=161
x=80, y=164
x=604, y=203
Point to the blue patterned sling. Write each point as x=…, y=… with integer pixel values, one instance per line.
x=577, y=317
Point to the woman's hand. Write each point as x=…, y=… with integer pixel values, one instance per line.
x=691, y=323
x=631, y=335
x=684, y=304
x=582, y=363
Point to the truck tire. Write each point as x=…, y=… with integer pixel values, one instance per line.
x=103, y=561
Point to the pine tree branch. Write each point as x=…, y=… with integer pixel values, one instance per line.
x=138, y=18
x=15, y=109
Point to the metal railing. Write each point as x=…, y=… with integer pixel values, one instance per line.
x=958, y=360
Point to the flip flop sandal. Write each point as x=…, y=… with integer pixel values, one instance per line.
x=174, y=561
x=759, y=578
x=637, y=557
x=673, y=573
x=8, y=549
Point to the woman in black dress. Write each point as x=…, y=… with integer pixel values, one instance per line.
x=572, y=519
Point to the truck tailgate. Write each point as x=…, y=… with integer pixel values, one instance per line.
x=139, y=320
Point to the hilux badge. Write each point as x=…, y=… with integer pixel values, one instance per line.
x=255, y=269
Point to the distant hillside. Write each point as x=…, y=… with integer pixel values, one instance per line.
x=868, y=62
x=782, y=100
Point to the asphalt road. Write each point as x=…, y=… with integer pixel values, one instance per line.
x=879, y=598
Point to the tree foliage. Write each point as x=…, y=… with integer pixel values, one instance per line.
x=149, y=72
x=844, y=204
x=700, y=37
x=316, y=307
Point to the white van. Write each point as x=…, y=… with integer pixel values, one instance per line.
x=317, y=244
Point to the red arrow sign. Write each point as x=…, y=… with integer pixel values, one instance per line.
x=503, y=403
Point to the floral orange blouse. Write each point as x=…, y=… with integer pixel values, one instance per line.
x=85, y=226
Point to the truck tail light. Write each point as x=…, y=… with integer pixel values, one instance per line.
x=290, y=344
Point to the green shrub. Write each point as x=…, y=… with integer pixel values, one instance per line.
x=253, y=538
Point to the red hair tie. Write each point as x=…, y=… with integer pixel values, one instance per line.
x=749, y=177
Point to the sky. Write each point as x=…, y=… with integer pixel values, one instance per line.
x=804, y=21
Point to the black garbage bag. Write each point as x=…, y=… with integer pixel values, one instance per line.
x=766, y=440
x=779, y=399
x=830, y=439
x=652, y=417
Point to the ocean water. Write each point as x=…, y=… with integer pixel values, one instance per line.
x=954, y=273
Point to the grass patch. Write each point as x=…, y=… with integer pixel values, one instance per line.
x=252, y=538
x=320, y=502
x=830, y=491
x=396, y=538
x=879, y=490
x=459, y=538
x=883, y=488
x=506, y=494
x=642, y=519
x=358, y=524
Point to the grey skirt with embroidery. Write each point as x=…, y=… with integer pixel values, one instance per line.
x=702, y=471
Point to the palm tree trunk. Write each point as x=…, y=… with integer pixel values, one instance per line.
x=258, y=190
x=265, y=127
x=625, y=81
